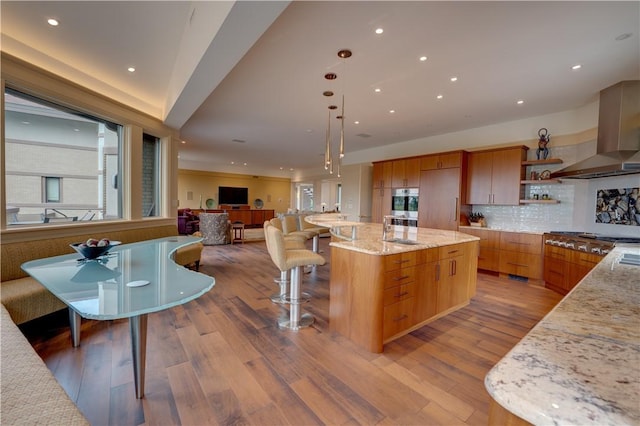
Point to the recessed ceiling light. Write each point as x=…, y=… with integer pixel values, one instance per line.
x=439, y=97
x=53, y=22
x=131, y=69
x=25, y=122
x=356, y=122
x=392, y=111
x=377, y=90
x=76, y=130
x=233, y=162
x=291, y=169
x=184, y=142
x=454, y=79
x=379, y=31
x=281, y=168
x=423, y=58
x=520, y=102
x=245, y=164
x=576, y=67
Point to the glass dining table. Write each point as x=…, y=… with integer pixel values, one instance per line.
x=130, y=281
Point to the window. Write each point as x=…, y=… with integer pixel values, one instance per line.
x=52, y=190
x=59, y=162
x=150, y=175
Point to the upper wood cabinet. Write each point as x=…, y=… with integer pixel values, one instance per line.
x=406, y=173
x=382, y=172
x=380, y=204
x=441, y=161
x=494, y=176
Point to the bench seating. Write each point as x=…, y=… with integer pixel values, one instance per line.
x=27, y=299
x=30, y=393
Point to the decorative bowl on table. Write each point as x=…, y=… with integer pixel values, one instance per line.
x=92, y=248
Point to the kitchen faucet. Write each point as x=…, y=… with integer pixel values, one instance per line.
x=387, y=223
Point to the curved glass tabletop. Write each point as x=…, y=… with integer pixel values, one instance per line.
x=132, y=279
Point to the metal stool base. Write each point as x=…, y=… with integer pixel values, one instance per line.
x=305, y=321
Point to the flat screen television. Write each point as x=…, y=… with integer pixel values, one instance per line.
x=234, y=196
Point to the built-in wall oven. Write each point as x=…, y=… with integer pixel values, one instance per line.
x=404, y=205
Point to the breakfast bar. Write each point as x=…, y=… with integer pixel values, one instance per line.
x=383, y=288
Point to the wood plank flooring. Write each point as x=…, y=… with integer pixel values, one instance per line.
x=222, y=360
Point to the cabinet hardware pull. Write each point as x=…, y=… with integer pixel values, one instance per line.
x=400, y=261
x=452, y=251
x=404, y=277
x=438, y=272
x=401, y=317
x=401, y=294
x=519, y=242
x=518, y=264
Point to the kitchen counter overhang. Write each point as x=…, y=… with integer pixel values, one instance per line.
x=581, y=363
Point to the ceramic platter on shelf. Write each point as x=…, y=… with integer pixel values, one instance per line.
x=210, y=203
x=545, y=174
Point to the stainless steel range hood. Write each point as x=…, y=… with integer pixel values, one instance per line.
x=618, y=144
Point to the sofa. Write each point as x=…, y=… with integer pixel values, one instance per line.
x=188, y=222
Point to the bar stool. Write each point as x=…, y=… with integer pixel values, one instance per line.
x=293, y=260
x=292, y=243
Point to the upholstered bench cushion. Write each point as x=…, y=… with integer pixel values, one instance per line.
x=30, y=393
x=26, y=298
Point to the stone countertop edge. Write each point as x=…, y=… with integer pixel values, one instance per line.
x=581, y=363
x=369, y=239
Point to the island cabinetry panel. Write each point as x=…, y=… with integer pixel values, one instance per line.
x=521, y=254
x=444, y=160
x=494, y=176
x=382, y=172
x=375, y=299
x=405, y=173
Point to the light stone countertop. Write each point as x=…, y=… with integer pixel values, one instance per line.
x=580, y=364
x=368, y=238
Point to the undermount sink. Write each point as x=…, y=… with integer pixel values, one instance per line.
x=401, y=241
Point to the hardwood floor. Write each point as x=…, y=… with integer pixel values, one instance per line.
x=222, y=360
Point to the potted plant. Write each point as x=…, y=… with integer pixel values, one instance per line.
x=477, y=219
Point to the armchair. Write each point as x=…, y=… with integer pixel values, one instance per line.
x=188, y=223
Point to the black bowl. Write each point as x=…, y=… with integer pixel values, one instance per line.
x=93, y=252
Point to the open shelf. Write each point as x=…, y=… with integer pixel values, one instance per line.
x=540, y=182
x=547, y=161
x=539, y=201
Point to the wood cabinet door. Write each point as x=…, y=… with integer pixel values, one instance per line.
x=450, y=160
x=507, y=171
x=439, y=202
x=521, y=242
x=479, y=178
x=382, y=172
x=398, y=174
x=380, y=204
x=426, y=293
x=412, y=172
x=429, y=162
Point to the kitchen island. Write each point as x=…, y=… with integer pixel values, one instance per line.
x=581, y=363
x=381, y=290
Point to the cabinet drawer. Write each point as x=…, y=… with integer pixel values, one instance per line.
x=585, y=259
x=522, y=243
x=559, y=253
x=488, y=239
x=522, y=264
x=400, y=260
x=397, y=317
x=452, y=250
x=398, y=293
x=398, y=277
x=427, y=256
x=488, y=259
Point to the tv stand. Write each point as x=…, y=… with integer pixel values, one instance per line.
x=252, y=218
